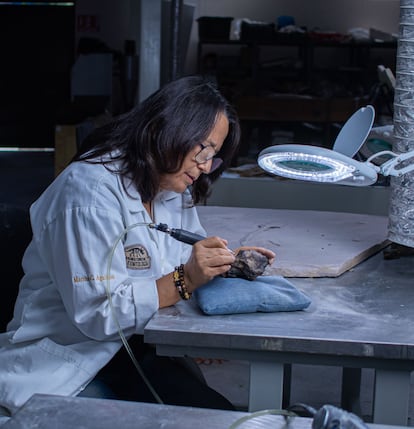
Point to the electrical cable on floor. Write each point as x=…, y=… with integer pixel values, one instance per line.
x=327, y=417
x=259, y=419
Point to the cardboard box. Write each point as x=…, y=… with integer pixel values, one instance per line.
x=65, y=146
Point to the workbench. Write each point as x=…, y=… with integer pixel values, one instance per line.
x=361, y=319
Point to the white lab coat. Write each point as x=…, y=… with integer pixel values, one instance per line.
x=63, y=331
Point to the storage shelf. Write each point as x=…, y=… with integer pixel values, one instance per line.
x=359, y=53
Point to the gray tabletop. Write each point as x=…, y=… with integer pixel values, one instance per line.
x=51, y=412
x=364, y=313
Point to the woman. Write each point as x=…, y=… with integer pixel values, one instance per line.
x=94, y=263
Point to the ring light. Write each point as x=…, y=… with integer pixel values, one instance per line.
x=317, y=164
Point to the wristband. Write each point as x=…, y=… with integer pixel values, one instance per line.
x=179, y=283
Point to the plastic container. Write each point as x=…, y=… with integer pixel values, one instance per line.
x=257, y=32
x=214, y=27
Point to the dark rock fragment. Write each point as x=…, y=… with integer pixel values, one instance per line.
x=249, y=264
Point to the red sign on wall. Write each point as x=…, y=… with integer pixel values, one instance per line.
x=87, y=23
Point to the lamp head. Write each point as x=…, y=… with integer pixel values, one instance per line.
x=317, y=164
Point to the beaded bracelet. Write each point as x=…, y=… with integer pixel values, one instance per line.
x=179, y=283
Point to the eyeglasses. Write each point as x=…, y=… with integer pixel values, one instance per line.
x=206, y=153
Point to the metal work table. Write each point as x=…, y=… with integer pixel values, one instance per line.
x=51, y=412
x=362, y=319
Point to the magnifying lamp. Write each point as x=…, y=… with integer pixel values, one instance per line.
x=317, y=164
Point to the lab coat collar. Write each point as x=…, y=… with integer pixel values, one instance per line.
x=134, y=200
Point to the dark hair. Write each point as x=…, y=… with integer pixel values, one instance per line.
x=154, y=137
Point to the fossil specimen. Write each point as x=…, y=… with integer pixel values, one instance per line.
x=249, y=264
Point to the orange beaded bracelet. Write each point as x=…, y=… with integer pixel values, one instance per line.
x=179, y=283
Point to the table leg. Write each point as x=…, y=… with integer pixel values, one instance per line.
x=266, y=386
x=287, y=384
x=351, y=390
x=391, y=397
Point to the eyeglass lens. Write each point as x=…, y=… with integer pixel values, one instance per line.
x=207, y=153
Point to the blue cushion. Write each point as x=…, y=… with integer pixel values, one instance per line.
x=235, y=295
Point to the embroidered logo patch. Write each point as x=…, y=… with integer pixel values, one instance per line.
x=137, y=257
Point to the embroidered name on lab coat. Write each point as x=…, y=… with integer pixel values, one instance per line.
x=92, y=278
x=137, y=257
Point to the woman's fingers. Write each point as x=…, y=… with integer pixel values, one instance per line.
x=209, y=258
x=263, y=250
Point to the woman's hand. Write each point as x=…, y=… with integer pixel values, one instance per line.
x=266, y=252
x=209, y=258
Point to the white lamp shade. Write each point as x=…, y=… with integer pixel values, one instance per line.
x=355, y=131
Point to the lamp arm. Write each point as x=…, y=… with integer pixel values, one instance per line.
x=383, y=152
x=388, y=168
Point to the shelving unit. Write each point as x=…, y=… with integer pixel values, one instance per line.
x=268, y=86
x=250, y=55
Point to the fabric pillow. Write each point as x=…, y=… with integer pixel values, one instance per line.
x=235, y=295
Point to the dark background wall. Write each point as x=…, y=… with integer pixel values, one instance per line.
x=37, y=50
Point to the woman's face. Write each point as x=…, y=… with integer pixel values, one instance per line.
x=191, y=169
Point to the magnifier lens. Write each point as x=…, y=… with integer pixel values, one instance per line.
x=305, y=166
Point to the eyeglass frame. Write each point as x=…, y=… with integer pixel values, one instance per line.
x=216, y=161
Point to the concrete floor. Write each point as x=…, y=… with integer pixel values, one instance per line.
x=25, y=175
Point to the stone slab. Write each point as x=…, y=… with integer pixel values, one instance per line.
x=307, y=243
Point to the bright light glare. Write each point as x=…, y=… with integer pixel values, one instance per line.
x=316, y=164
x=303, y=166
x=40, y=3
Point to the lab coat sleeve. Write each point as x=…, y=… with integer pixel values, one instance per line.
x=76, y=247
